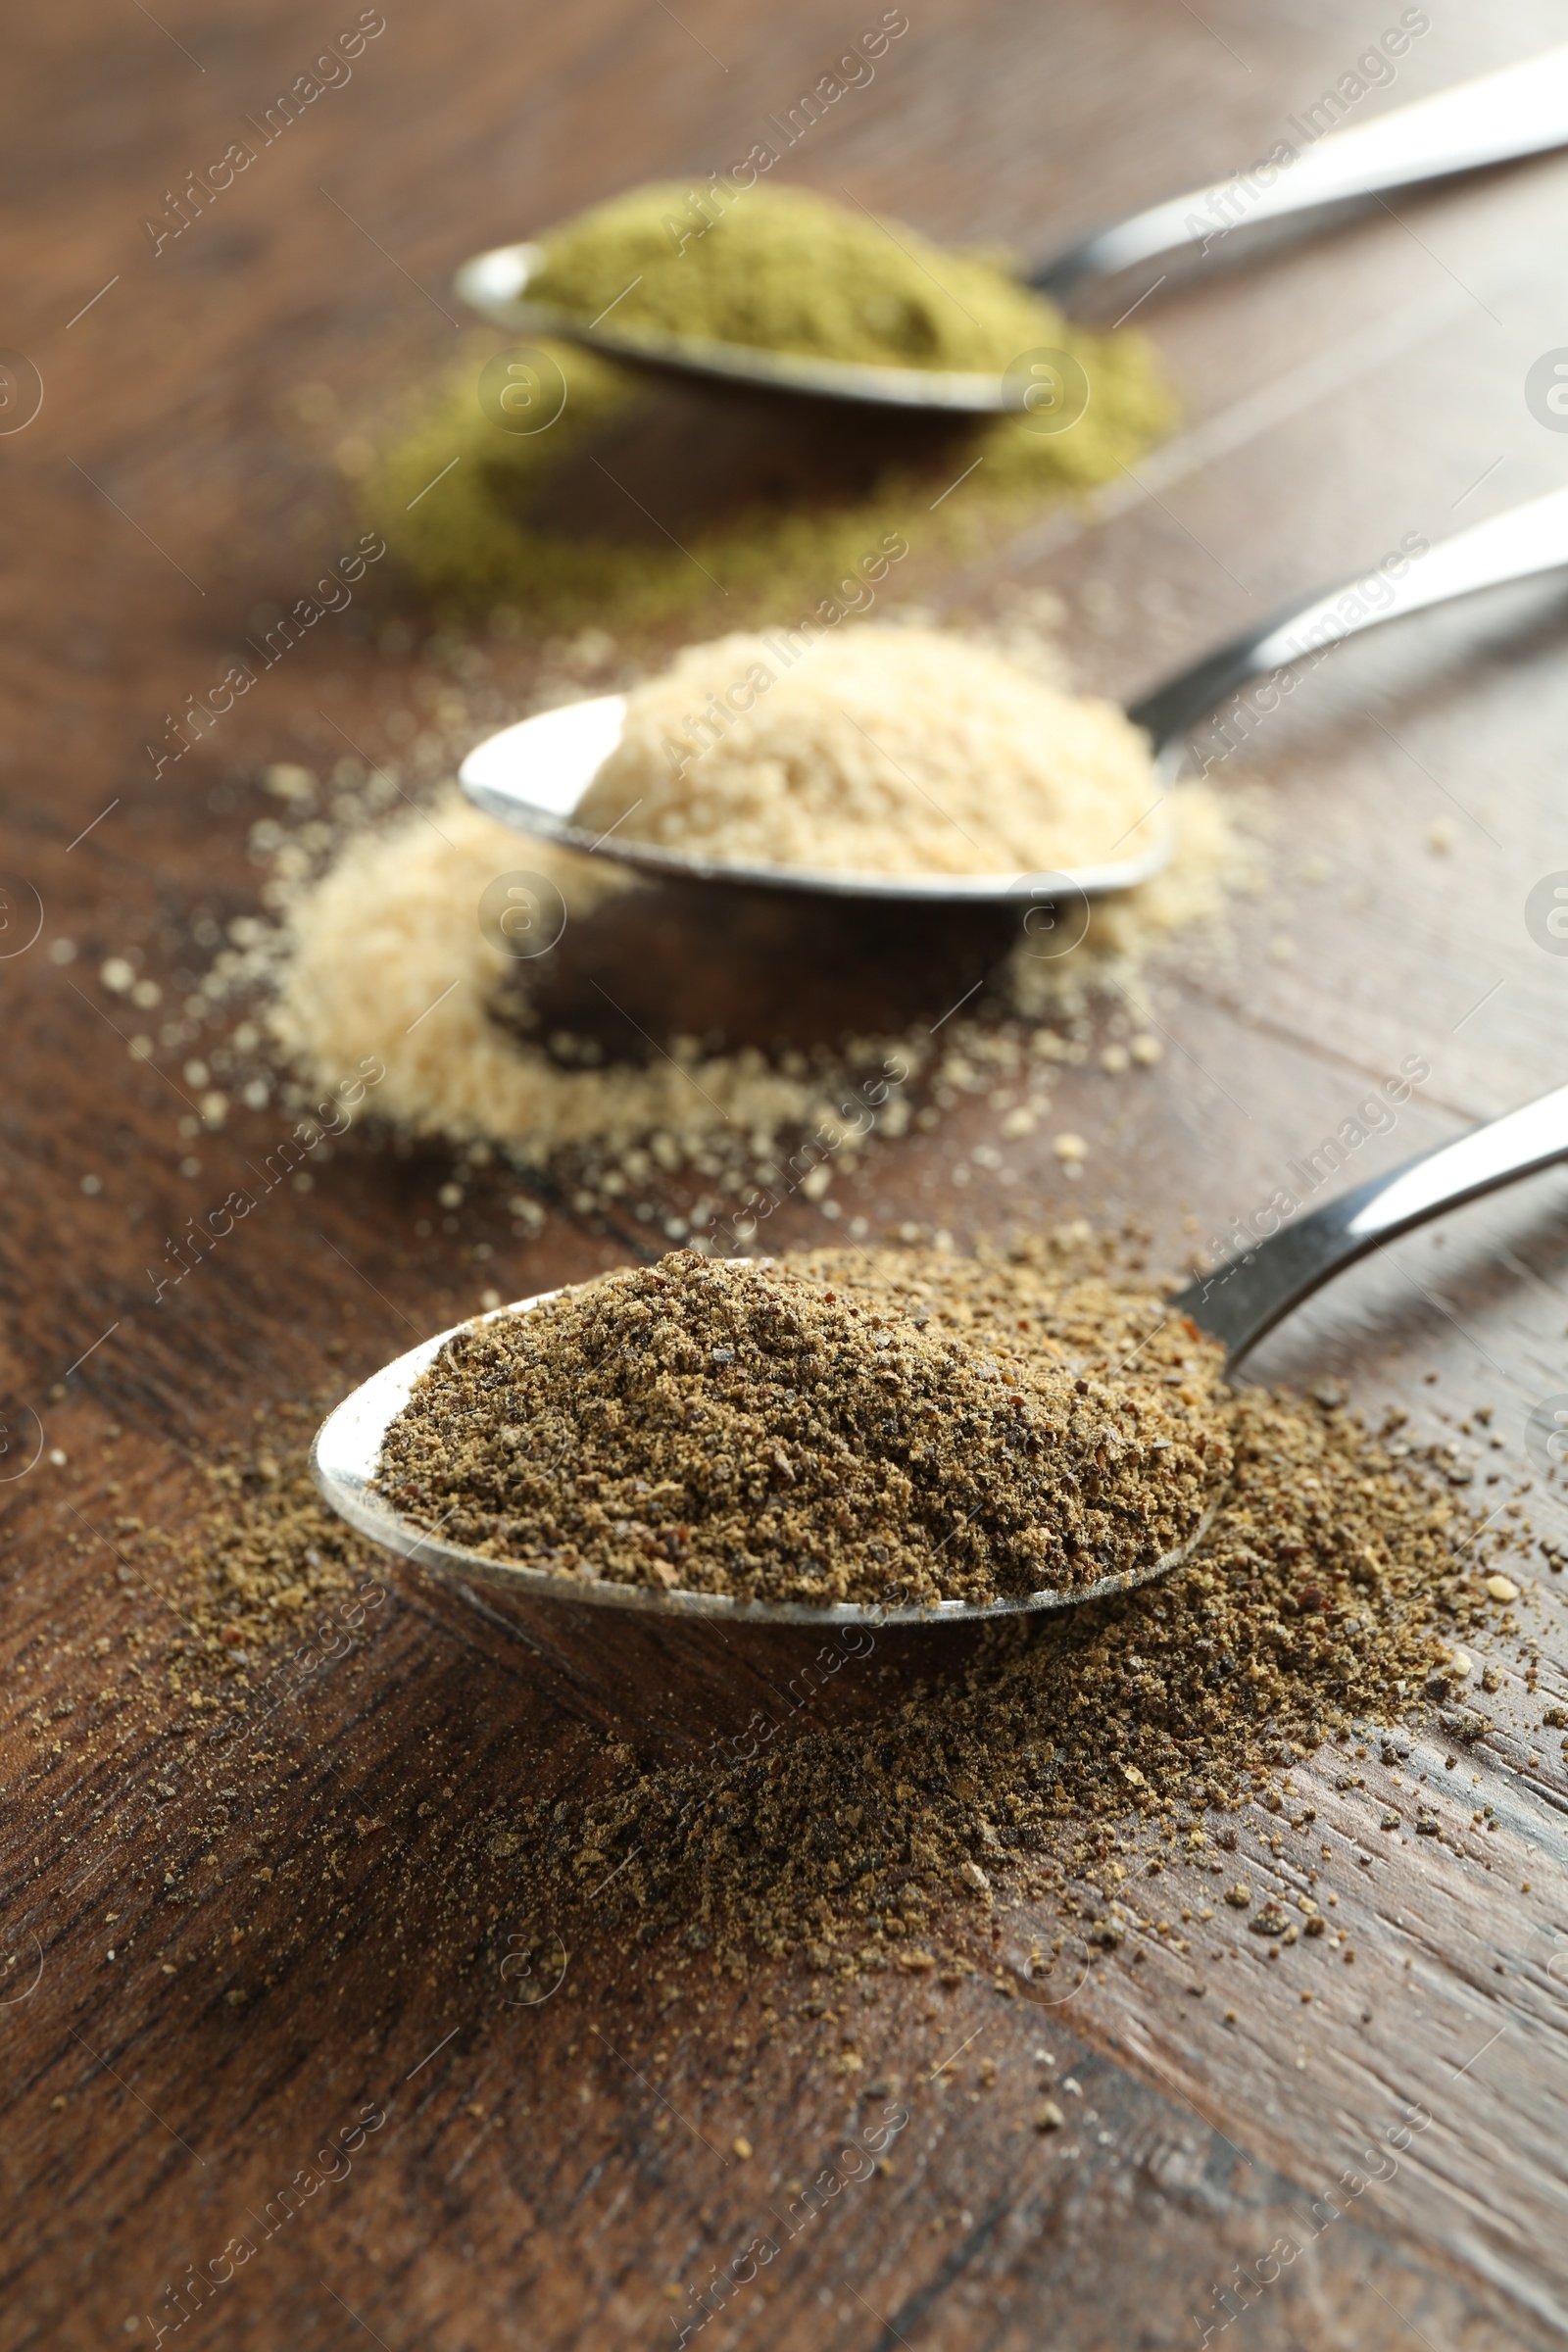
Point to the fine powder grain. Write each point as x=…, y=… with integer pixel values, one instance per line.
x=1329, y=1595
x=990, y=1779
x=384, y=954
x=885, y=751
x=787, y=270
x=381, y=954
x=375, y=948
x=905, y=1432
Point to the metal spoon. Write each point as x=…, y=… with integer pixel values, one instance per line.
x=1241, y=1300
x=1522, y=110
x=1236, y=1304
x=533, y=775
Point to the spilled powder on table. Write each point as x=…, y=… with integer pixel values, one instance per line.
x=1064, y=1782
x=384, y=956
x=479, y=518
x=387, y=959
x=1327, y=1597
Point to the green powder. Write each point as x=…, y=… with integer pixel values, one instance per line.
x=654, y=497
x=785, y=270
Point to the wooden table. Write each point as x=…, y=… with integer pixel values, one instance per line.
x=205, y=1986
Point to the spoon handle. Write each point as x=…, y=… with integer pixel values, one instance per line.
x=1247, y=1295
x=1511, y=546
x=1522, y=110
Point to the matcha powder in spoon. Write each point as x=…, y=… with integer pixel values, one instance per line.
x=786, y=270
x=653, y=493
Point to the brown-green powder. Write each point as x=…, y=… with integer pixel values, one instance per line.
x=264, y=1558
x=1327, y=1593
x=898, y=1432
x=1040, y=1762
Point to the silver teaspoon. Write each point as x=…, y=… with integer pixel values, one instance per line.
x=1236, y=1304
x=532, y=775
x=1522, y=110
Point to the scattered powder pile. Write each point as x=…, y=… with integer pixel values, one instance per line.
x=382, y=955
x=1217, y=854
x=386, y=956
x=472, y=539
x=523, y=526
x=887, y=751
x=267, y=1551
x=747, y=1429
x=1327, y=1592
x=787, y=270
x=248, y=1565
x=1038, y=1761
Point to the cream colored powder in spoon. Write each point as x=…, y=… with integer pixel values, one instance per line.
x=883, y=751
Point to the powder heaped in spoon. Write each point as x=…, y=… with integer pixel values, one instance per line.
x=885, y=751
x=788, y=269
x=744, y=1429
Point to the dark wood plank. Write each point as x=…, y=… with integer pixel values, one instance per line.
x=277, y=1969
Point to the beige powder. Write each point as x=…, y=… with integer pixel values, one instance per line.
x=882, y=751
x=387, y=959
x=379, y=952
x=1212, y=857
x=383, y=956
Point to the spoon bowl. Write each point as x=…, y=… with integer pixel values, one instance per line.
x=1237, y=1303
x=496, y=285
x=348, y=1449
x=533, y=775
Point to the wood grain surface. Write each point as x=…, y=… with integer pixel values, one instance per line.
x=216, y=1956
